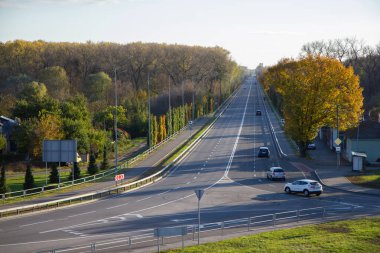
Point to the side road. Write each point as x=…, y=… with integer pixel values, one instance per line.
x=138, y=170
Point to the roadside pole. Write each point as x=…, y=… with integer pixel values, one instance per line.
x=199, y=194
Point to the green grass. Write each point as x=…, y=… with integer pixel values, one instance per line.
x=369, y=179
x=360, y=235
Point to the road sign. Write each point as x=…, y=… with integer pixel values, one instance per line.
x=199, y=193
x=119, y=177
x=338, y=141
x=337, y=149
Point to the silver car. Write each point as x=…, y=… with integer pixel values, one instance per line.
x=276, y=173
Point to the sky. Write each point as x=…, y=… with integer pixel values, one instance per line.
x=253, y=31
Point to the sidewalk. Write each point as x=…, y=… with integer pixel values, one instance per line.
x=138, y=170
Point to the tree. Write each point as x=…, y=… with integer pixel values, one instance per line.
x=92, y=168
x=313, y=89
x=105, y=163
x=97, y=86
x=3, y=142
x=54, y=174
x=3, y=181
x=56, y=81
x=29, y=179
x=76, y=172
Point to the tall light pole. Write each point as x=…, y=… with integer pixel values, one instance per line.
x=115, y=124
x=149, y=139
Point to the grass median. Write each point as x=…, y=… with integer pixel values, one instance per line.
x=370, y=179
x=359, y=235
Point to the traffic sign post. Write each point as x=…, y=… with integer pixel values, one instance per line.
x=119, y=177
x=199, y=193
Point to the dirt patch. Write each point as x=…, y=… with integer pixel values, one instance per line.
x=335, y=229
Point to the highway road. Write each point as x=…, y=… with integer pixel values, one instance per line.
x=224, y=163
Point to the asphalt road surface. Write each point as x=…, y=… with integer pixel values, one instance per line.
x=224, y=164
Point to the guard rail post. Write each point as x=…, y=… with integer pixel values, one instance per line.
x=193, y=228
x=129, y=243
x=274, y=220
x=249, y=223
x=324, y=213
x=222, y=228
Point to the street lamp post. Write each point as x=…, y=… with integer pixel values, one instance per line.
x=149, y=139
x=115, y=125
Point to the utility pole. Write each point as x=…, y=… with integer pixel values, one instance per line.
x=115, y=124
x=149, y=139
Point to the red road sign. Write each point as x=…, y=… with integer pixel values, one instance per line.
x=119, y=177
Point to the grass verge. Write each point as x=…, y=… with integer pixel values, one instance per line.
x=370, y=179
x=360, y=235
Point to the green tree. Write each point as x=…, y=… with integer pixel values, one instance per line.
x=105, y=163
x=76, y=169
x=3, y=180
x=321, y=86
x=29, y=179
x=54, y=174
x=97, y=86
x=56, y=81
x=92, y=168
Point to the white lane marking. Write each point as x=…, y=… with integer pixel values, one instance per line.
x=144, y=198
x=134, y=214
x=195, y=178
x=181, y=220
x=238, y=136
x=199, y=173
x=31, y=224
x=188, y=183
x=117, y=206
x=80, y=214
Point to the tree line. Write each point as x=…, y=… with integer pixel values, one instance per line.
x=364, y=59
x=67, y=90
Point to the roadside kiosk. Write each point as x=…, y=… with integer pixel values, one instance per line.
x=357, y=161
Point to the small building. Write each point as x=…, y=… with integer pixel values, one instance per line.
x=364, y=139
x=358, y=160
x=7, y=126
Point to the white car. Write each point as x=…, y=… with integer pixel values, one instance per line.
x=305, y=186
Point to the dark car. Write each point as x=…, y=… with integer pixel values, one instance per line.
x=258, y=113
x=311, y=146
x=263, y=152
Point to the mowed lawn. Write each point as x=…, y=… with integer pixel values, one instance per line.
x=360, y=235
x=370, y=179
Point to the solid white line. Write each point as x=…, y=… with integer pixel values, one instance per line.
x=195, y=178
x=238, y=136
x=80, y=214
x=145, y=198
x=31, y=224
x=117, y=206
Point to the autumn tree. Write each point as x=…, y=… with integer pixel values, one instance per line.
x=3, y=142
x=314, y=89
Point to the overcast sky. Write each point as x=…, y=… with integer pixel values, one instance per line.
x=253, y=31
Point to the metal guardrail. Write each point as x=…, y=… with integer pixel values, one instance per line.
x=146, y=238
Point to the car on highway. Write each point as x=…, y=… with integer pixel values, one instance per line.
x=258, y=113
x=305, y=186
x=264, y=152
x=276, y=173
x=311, y=146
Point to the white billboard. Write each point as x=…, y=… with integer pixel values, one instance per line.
x=59, y=151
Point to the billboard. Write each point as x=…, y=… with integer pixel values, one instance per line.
x=59, y=151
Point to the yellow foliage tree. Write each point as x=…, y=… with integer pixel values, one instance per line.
x=49, y=127
x=314, y=89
